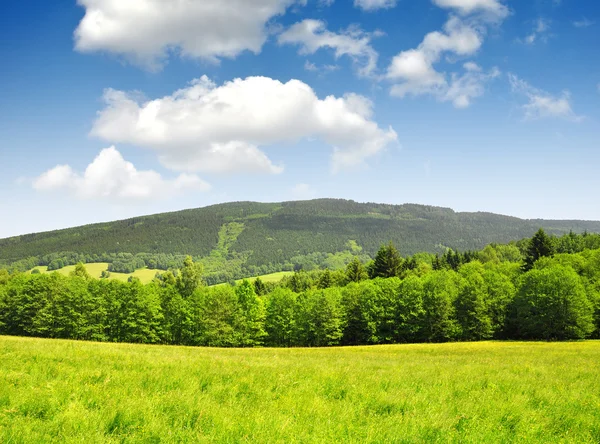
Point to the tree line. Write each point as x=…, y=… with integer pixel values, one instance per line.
x=544, y=295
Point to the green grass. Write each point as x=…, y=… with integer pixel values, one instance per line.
x=63, y=391
x=273, y=277
x=95, y=270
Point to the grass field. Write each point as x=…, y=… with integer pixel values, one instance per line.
x=145, y=275
x=95, y=270
x=273, y=277
x=62, y=391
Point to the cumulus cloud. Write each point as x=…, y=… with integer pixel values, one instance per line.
x=414, y=73
x=542, y=104
x=110, y=176
x=374, y=5
x=312, y=35
x=206, y=127
x=145, y=31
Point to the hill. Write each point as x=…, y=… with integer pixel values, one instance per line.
x=268, y=237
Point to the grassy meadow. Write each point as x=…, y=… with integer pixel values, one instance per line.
x=95, y=270
x=65, y=391
x=146, y=275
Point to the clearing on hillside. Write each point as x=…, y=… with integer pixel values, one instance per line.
x=65, y=391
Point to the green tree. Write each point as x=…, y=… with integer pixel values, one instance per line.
x=325, y=280
x=318, y=318
x=440, y=290
x=280, y=322
x=355, y=270
x=80, y=271
x=501, y=293
x=409, y=310
x=251, y=323
x=539, y=246
x=259, y=287
x=190, y=277
x=388, y=262
x=472, y=311
x=552, y=304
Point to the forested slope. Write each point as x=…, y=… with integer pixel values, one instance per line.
x=275, y=232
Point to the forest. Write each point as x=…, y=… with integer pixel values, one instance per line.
x=242, y=239
x=542, y=288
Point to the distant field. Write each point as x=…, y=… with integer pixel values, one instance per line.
x=145, y=275
x=273, y=277
x=63, y=391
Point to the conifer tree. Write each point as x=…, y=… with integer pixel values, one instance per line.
x=388, y=262
x=539, y=246
x=355, y=271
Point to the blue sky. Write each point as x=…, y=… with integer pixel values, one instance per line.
x=112, y=109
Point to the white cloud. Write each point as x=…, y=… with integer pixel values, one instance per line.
x=583, y=23
x=303, y=191
x=491, y=9
x=145, y=31
x=374, y=5
x=313, y=35
x=112, y=177
x=414, y=73
x=540, y=31
x=471, y=85
x=205, y=127
x=309, y=66
x=542, y=104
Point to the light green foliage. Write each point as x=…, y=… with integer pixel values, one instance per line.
x=280, y=323
x=409, y=310
x=189, y=278
x=472, y=304
x=319, y=318
x=80, y=271
x=500, y=295
x=62, y=391
x=440, y=291
x=552, y=304
x=251, y=321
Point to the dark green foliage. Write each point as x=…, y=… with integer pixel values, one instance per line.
x=243, y=239
x=259, y=287
x=539, y=246
x=387, y=263
x=355, y=271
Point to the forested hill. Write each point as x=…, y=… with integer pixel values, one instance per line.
x=271, y=233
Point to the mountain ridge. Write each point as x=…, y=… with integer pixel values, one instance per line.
x=273, y=232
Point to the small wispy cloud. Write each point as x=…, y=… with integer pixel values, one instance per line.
x=583, y=23
x=542, y=104
x=540, y=32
